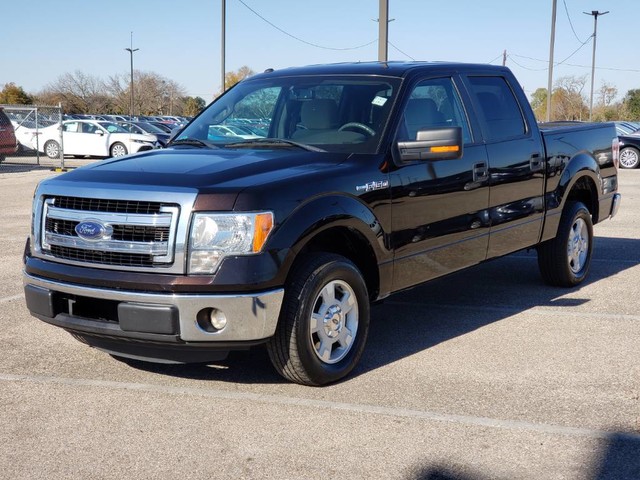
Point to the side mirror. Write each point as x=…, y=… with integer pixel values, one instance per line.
x=442, y=143
x=99, y=132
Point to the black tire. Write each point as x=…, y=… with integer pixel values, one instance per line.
x=629, y=157
x=52, y=149
x=321, y=354
x=118, y=150
x=564, y=261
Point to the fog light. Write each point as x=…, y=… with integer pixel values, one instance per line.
x=211, y=320
x=218, y=319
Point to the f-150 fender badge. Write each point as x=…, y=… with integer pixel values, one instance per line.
x=370, y=186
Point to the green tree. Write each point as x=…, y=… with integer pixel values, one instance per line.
x=14, y=95
x=193, y=106
x=539, y=103
x=631, y=103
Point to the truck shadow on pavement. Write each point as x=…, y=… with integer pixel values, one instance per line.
x=443, y=309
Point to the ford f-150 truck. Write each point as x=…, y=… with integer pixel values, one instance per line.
x=366, y=179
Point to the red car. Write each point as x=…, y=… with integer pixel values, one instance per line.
x=8, y=143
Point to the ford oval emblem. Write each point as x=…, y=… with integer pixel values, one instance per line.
x=91, y=230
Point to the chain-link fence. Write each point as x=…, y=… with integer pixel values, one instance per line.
x=36, y=128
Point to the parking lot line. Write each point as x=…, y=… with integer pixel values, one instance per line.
x=542, y=428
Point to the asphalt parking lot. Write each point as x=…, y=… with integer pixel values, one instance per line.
x=485, y=374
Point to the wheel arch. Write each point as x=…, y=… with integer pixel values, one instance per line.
x=580, y=181
x=341, y=225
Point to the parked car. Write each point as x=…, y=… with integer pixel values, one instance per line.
x=165, y=127
x=8, y=142
x=145, y=128
x=94, y=138
x=26, y=133
x=629, y=150
x=233, y=131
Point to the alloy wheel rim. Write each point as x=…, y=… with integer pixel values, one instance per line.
x=578, y=245
x=334, y=321
x=629, y=158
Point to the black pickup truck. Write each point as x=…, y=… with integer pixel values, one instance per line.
x=301, y=196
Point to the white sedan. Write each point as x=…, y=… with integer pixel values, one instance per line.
x=94, y=138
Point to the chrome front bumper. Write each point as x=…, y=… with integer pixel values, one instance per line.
x=249, y=316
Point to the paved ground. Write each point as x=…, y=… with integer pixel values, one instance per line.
x=487, y=374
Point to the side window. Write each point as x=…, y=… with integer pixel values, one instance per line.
x=499, y=109
x=71, y=127
x=433, y=103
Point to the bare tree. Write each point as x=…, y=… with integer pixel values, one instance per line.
x=568, y=102
x=80, y=92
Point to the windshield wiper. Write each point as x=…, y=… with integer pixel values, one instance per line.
x=193, y=142
x=272, y=142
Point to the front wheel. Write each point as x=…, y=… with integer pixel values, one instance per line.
x=52, y=149
x=323, y=323
x=629, y=157
x=564, y=261
x=118, y=150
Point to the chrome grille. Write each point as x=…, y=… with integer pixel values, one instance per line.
x=130, y=233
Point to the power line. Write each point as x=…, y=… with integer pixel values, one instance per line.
x=300, y=39
x=615, y=69
x=405, y=54
x=571, y=24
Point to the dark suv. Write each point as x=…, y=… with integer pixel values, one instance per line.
x=8, y=144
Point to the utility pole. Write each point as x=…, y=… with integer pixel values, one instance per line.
x=595, y=14
x=504, y=58
x=222, y=43
x=383, y=31
x=551, y=45
x=131, y=50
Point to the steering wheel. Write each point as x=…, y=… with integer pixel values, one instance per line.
x=360, y=126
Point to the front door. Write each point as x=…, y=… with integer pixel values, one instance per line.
x=439, y=213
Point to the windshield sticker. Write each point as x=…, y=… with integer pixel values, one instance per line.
x=379, y=101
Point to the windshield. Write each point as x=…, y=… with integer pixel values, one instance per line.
x=112, y=127
x=334, y=113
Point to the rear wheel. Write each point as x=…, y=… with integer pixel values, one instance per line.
x=118, y=150
x=323, y=323
x=564, y=261
x=629, y=157
x=52, y=149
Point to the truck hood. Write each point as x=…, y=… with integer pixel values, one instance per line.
x=203, y=169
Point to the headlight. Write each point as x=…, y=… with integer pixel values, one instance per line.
x=217, y=235
x=135, y=140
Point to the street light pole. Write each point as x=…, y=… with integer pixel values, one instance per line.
x=551, y=47
x=223, y=46
x=595, y=14
x=131, y=50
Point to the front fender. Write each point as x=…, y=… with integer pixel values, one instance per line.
x=320, y=214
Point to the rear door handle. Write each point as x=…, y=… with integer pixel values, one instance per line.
x=536, y=163
x=480, y=172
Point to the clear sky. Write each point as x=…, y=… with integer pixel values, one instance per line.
x=180, y=39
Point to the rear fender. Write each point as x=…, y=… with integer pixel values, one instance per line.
x=580, y=180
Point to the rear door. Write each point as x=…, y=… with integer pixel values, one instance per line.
x=516, y=162
x=440, y=221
